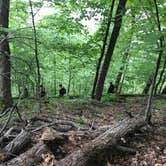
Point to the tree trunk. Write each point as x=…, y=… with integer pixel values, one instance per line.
x=148, y=112
x=122, y=79
x=36, y=52
x=148, y=84
x=96, y=148
x=161, y=76
x=162, y=83
x=113, y=39
x=102, y=50
x=120, y=73
x=69, y=81
x=54, y=62
x=5, y=82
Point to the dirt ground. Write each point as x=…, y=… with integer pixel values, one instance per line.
x=150, y=146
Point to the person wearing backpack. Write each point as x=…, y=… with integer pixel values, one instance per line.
x=111, y=88
x=62, y=90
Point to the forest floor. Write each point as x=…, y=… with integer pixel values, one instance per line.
x=150, y=146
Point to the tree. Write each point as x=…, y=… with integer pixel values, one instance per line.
x=148, y=112
x=148, y=84
x=102, y=49
x=162, y=83
x=122, y=70
x=113, y=39
x=160, y=77
x=36, y=52
x=5, y=82
x=74, y=63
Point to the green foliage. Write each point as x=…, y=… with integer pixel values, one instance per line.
x=68, y=52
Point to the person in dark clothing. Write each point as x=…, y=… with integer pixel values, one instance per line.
x=42, y=91
x=62, y=90
x=25, y=93
x=111, y=88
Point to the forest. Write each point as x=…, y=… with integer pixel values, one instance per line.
x=82, y=82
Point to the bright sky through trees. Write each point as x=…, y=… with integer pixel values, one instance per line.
x=92, y=24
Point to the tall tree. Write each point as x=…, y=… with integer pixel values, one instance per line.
x=122, y=70
x=113, y=39
x=102, y=49
x=148, y=112
x=5, y=82
x=36, y=50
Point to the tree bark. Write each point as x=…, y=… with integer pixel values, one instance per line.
x=113, y=39
x=160, y=77
x=6, y=137
x=102, y=50
x=162, y=83
x=30, y=158
x=15, y=146
x=5, y=82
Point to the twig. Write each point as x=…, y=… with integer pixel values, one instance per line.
x=43, y=126
x=18, y=113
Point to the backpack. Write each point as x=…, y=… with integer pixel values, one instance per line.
x=63, y=90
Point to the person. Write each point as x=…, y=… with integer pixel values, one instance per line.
x=62, y=90
x=42, y=91
x=111, y=88
x=25, y=93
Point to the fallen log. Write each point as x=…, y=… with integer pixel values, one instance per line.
x=6, y=136
x=8, y=120
x=59, y=124
x=89, y=134
x=56, y=121
x=16, y=145
x=97, y=147
x=30, y=158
